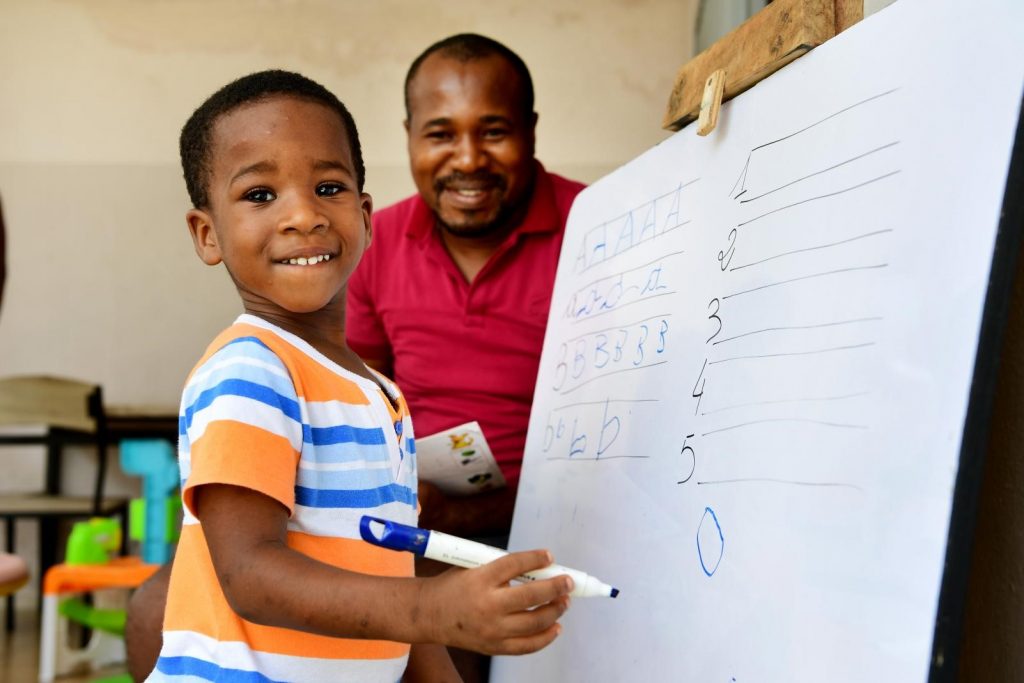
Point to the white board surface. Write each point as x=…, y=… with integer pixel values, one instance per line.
x=752, y=392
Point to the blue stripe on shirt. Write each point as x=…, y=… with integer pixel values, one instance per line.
x=357, y=498
x=190, y=666
x=251, y=390
x=364, y=436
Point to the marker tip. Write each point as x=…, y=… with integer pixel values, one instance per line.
x=615, y=592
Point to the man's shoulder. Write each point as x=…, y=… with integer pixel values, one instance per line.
x=398, y=216
x=563, y=191
x=565, y=185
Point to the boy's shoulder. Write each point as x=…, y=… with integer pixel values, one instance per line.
x=245, y=338
x=259, y=352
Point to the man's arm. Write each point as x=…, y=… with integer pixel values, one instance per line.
x=143, y=635
x=484, y=514
x=430, y=663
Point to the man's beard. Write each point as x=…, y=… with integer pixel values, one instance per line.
x=483, y=180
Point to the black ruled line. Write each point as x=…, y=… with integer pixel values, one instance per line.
x=770, y=480
x=814, y=399
x=608, y=400
x=802, y=130
x=824, y=170
x=823, y=423
x=822, y=196
x=793, y=353
x=806, y=277
x=820, y=246
x=797, y=327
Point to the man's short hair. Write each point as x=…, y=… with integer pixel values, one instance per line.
x=197, y=134
x=467, y=47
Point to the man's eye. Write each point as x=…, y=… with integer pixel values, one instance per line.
x=439, y=135
x=259, y=195
x=495, y=133
x=329, y=189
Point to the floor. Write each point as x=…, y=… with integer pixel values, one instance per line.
x=19, y=654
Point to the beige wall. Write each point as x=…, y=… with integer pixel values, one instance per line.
x=103, y=284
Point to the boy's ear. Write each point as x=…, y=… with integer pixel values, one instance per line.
x=366, y=206
x=204, y=238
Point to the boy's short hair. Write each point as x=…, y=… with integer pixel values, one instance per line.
x=467, y=47
x=197, y=134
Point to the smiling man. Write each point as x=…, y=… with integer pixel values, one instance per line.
x=452, y=298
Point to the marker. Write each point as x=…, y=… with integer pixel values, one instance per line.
x=435, y=545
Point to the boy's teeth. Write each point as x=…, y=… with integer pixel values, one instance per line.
x=312, y=260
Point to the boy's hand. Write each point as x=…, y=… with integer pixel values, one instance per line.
x=477, y=609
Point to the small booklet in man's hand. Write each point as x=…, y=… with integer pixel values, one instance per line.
x=458, y=461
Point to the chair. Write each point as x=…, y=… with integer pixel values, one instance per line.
x=90, y=567
x=53, y=412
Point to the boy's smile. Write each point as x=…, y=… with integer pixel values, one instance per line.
x=285, y=215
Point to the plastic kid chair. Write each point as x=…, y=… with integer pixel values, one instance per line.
x=153, y=521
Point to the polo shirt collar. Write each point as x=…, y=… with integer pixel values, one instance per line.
x=541, y=214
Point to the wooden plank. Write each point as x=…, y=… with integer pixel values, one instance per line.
x=848, y=13
x=758, y=47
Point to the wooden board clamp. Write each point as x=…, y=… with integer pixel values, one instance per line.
x=772, y=38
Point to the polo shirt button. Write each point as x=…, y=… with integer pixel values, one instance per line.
x=398, y=427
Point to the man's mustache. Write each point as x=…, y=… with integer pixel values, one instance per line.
x=481, y=179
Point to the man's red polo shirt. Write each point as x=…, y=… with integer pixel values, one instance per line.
x=461, y=351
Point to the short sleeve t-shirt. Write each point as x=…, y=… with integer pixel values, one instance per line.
x=462, y=351
x=264, y=410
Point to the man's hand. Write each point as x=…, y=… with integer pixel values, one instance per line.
x=482, y=514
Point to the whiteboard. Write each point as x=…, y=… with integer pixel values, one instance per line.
x=754, y=384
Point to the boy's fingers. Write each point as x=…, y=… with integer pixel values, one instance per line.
x=522, y=624
x=528, y=595
x=504, y=569
x=528, y=644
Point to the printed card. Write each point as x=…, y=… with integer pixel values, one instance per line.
x=458, y=461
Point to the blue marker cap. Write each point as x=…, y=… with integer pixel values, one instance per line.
x=392, y=535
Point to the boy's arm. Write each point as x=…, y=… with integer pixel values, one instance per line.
x=430, y=663
x=473, y=609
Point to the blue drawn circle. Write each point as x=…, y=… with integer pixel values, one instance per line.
x=710, y=548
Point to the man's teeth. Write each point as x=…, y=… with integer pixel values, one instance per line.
x=302, y=261
x=469, y=193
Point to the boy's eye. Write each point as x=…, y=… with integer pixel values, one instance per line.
x=329, y=189
x=259, y=195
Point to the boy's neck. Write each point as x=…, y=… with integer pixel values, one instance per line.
x=324, y=330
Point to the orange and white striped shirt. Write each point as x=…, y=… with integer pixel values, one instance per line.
x=265, y=410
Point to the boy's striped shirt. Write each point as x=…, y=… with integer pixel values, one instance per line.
x=264, y=410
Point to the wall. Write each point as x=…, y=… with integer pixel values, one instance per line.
x=103, y=283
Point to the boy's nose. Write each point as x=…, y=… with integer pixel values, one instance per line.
x=303, y=215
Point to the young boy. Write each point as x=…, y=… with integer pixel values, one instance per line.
x=287, y=439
